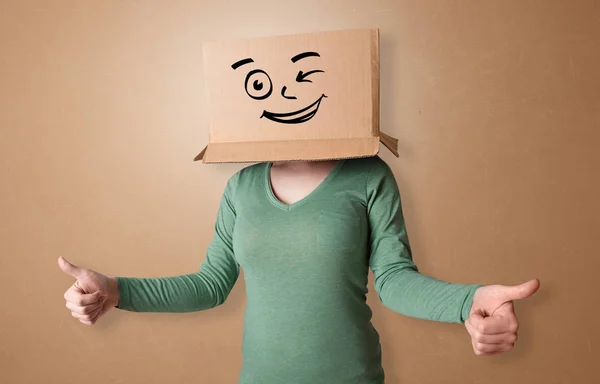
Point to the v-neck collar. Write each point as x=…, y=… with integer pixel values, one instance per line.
x=287, y=207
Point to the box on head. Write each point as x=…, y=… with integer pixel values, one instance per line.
x=312, y=96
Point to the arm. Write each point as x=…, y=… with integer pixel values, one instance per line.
x=205, y=289
x=397, y=280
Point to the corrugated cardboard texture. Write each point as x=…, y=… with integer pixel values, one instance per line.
x=298, y=97
x=496, y=107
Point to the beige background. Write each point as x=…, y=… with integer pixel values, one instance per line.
x=497, y=110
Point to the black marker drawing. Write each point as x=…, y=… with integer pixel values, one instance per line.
x=259, y=86
x=258, y=91
x=301, y=78
x=241, y=62
x=304, y=55
x=283, y=90
x=295, y=117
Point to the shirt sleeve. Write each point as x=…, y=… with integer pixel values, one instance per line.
x=205, y=289
x=397, y=280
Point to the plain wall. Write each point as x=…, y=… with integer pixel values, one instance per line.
x=497, y=108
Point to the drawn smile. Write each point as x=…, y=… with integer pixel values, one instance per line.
x=296, y=117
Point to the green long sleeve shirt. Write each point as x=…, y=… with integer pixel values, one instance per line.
x=306, y=269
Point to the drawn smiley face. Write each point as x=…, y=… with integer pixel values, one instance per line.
x=259, y=86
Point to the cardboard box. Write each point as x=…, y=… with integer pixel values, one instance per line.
x=310, y=96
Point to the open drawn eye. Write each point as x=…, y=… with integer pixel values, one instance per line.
x=258, y=84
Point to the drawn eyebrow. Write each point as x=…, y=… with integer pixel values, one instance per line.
x=238, y=64
x=304, y=55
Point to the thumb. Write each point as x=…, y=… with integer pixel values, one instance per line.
x=521, y=291
x=71, y=269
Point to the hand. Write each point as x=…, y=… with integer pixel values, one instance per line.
x=492, y=323
x=92, y=295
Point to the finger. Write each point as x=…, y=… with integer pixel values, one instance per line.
x=71, y=269
x=94, y=317
x=84, y=310
x=76, y=296
x=490, y=349
x=87, y=322
x=509, y=337
x=493, y=325
x=89, y=316
x=521, y=291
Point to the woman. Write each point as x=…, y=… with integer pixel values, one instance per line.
x=305, y=234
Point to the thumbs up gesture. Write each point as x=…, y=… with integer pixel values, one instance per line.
x=492, y=323
x=92, y=294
